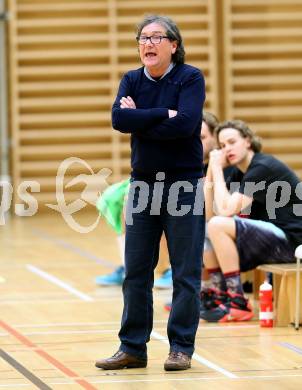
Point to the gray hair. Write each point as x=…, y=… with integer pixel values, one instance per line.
x=172, y=32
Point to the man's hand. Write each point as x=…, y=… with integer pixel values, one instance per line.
x=218, y=158
x=127, y=102
x=172, y=113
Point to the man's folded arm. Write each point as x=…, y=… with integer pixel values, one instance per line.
x=188, y=116
x=129, y=120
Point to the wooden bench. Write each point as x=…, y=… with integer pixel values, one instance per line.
x=287, y=290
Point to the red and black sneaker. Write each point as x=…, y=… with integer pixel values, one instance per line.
x=235, y=308
x=209, y=299
x=212, y=298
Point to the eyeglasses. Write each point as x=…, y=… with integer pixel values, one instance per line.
x=154, y=39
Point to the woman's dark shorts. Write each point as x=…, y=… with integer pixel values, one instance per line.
x=260, y=242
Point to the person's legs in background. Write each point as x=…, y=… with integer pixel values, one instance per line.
x=208, y=293
x=115, y=278
x=224, y=269
x=110, y=206
x=165, y=280
x=213, y=289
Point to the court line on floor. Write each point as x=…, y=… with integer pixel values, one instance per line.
x=67, y=298
x=99, y=331
x=62, y=332
x=190, y=379
x=77, y=324
x=46, y=356
x=14, y=385
x=45, y=301
x=219, y=327
x=186, y=379
x=198, y=358
x=292, y=347
x=74, y=249
x=58, y=282
x=24, y=371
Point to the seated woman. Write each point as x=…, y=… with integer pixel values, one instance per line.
x=267, y=193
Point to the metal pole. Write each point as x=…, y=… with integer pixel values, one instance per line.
x=4, y=141
x=298, y=254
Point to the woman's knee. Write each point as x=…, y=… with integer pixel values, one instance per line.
x=218, y=224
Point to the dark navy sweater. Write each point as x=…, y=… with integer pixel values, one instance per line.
x=160, y=143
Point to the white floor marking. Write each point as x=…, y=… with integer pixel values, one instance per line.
x=100, y=331
x=77, y=324
x=166, y=379
x=57, y=332
x=118, y=323
x=14, y=385
x=198, y=358
x=59, y=283
x=199, y=378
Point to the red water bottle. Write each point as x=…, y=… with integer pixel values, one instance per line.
x=266, y=305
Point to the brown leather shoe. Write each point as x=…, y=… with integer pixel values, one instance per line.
x=177, y=361
x=121, y=360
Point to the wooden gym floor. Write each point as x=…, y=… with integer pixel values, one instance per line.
x=55, y=322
